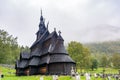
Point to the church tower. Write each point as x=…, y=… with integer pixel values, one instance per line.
x=42, y=27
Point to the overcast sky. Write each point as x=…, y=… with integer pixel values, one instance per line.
x=79, y=20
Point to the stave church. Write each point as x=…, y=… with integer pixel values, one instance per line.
x=47, y=56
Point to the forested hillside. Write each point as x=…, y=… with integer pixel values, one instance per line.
x=104, y=47
x=106, y=53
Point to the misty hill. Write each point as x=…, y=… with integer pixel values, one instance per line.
x=104, y=47
x=101, y=33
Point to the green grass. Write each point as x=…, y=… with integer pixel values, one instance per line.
x=9, y=74
x=100, y=70
x=45, y=78
x=107, y=71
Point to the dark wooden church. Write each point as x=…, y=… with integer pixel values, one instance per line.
x=48, y=55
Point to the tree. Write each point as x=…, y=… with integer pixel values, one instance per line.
x=86, y=58
x=116, y=60
x=9, y=48
x=79, y=54
x=104, y=61
x=94, y=64
x=25, y=49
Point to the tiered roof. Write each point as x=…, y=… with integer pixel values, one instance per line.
x=48, y=48
x=24, y=59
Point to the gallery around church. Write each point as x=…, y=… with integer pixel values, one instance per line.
x=47, y=56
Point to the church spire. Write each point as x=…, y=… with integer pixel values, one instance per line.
x=42, y=27
x=41, y=18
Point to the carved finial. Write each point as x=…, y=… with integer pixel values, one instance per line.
x=54, y=29
x=59, y=32
x=41, y=12
x=41, y=18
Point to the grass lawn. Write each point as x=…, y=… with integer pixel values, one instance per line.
x=45, y=78
x=9, y=74
x=100, y=70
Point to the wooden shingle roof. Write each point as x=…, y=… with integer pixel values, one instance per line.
x=34, y=61
x=36, y=52
x=60, y=58
x=54, y=33
x=44, y=60
x=41, y=39
x=25, y=55
x=22, y=64
x=59, y=48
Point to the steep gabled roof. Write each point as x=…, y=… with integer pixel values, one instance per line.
x=56, y=45
x=41, y=39
x=59, y=46
x=54, y=33
x=49, y=38
x=60, y=38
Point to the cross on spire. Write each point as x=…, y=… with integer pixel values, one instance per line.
x=59, y=32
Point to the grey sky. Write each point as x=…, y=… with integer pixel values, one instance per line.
x=79, y=20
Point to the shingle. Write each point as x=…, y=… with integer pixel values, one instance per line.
x=22, y=64
x=35, y=53
x=60, y=58
x=41, y=39
x=51, y=35
x=34, y=61
x=44, y=60
x=60, y=38
x=59, y=48
x=25, y=55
